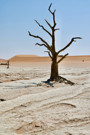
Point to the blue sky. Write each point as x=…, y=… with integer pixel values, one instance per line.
x=17, y=18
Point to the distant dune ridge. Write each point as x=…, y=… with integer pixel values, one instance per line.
x=28, y=58
x=35, y=58
x=2, y=60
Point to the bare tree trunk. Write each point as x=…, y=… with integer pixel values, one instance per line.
x=7, y=64
x=54, y=71
x=54, y=68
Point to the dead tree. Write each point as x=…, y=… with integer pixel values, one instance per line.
x=51, y=48
x=7, y=64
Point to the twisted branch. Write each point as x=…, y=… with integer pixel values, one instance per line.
x=46, y=44
x=53, y=13
x=56, y=29
x=50, y=9
x=48, y=23
x=43, y=28
x=62, y=58
x=49, y=54
x=72, y=40
x=41, y=44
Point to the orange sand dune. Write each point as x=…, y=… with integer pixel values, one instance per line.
x=83, y=58
x=35, y=58
x=27, y=55
x=2, y=60
x=29, y=58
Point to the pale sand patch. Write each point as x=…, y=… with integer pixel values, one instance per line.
x=30, y=109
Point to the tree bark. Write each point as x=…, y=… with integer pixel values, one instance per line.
x=54, y=71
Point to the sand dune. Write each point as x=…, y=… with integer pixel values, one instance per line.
x=28, y=58
x=2, y=60
x=35, y=58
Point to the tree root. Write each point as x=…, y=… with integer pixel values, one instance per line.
x=1, y=99
x=60, y=79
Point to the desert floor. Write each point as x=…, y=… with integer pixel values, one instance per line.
x=32, y=107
